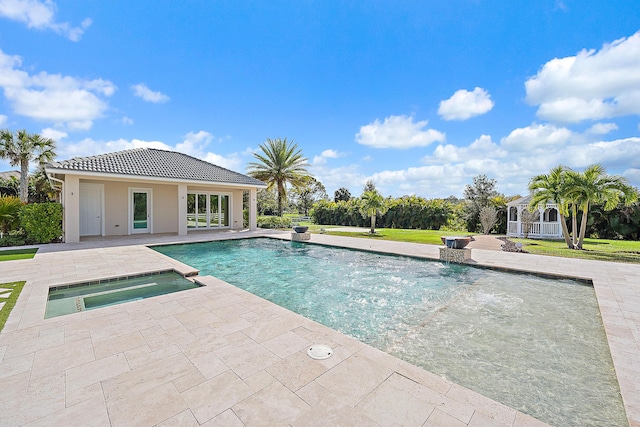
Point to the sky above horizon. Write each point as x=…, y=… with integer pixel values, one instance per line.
x=419, y=97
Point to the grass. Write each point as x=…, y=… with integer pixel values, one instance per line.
x=10, y=300
x=593, y=249
x=13, y=254
x=431, y=237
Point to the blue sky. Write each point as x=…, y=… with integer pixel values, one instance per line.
x=419, y=97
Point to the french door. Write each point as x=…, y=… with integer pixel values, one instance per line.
x=208, y=210
x=140, y=210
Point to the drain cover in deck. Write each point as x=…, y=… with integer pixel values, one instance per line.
x=319, y=352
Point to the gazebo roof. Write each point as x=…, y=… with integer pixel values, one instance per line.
x=524, y=201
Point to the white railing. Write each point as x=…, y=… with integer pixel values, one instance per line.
x=550, y=229
x=536, y=229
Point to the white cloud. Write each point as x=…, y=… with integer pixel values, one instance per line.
x=3, y=119
x=464, y=104
x=602, y=128
x=398, y=132
x=326, y=154
x=142, y=91
x=127, y=120
x=592, y=85
x=54, y=134
x=612, y=154
x=62, y=100
x=195, y=144
x=536, y=138
x=482, y=147
x=632, y=174
x=40, y=15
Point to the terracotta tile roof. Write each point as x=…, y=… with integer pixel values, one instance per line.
x=151, y=162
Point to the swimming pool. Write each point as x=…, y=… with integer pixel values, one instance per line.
x=68, y=299
x=535, y=344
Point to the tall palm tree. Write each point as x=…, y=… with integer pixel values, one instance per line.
x=594, y=185
x=372, y=204
x=22, y=147
x=280, y=163
x=552, y=187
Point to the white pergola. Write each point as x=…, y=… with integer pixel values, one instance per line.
x=545, y=223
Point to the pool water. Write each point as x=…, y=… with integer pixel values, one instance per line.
x=72, y=299
x=534, y=344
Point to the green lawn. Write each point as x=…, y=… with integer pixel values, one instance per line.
x=12, y=254
x=431, y=237
x=9, y=299
x=594, y=249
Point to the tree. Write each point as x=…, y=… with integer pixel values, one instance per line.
x=305, y=195
x=527, y=219
x=280, y=163
x=369, y=186
x=594, y=185
x=372, y=204
x=488, y=218
x=341, y=194
x=552, y=187
x=478, y=196
x=266, y=202
x=22, y=147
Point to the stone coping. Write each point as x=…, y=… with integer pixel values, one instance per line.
x=93, y=358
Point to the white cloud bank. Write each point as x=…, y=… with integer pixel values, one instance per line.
x=65, y=101
x=464, y=104
x=142, y=91
x=592, y=85
x=40, y=15
x=398, y=132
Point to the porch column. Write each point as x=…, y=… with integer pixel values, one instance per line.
x=182, y=209
x=541, y=210
x=519, y=221
x=71, y=202
x=253, y=209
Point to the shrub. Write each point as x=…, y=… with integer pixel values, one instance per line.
x=13, y=239
x=9, y=209
x=42, y=222
x=274, y=222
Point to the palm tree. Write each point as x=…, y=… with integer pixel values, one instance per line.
x=279, y=164
x=552, y=187
x=372, y=204
x=22, y=147
x=594, y=185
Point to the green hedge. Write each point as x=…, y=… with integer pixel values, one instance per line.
x=274, y=222
x=410, y=212
x=42, y=222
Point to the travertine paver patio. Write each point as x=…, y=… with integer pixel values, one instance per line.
x=218, y=355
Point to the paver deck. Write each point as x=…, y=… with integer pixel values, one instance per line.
x=218, y=355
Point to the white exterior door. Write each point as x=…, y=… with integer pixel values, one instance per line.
x=140, y=210
x=91, y=209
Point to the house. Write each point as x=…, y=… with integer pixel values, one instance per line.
x=544, y=223
x=146, y=190
x=10, y=175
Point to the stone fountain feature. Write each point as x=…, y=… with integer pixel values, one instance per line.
x=455, y=249
x=300, y=233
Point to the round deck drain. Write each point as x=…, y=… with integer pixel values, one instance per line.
x=319, y=352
